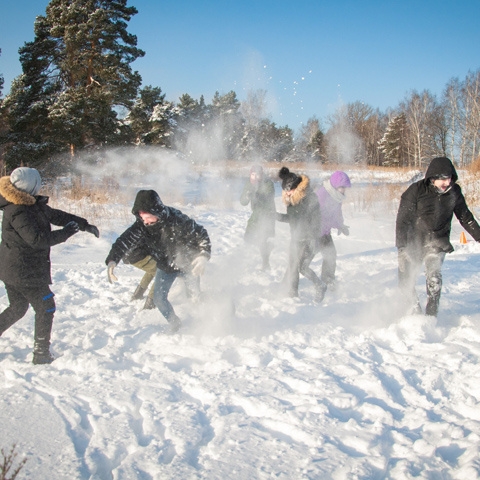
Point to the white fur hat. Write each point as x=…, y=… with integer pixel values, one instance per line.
x=27, y=180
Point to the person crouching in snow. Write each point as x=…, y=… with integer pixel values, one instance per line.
x=423, y=226
x=178, y=244
x=260, y=193
x=25, y=253
x=330, y=196
x=303, y=216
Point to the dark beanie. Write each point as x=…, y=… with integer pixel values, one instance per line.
x=289, y=180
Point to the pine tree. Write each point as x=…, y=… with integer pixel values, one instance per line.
x=163, y=121
x=140, y=116
x=253, y=111
x=311, y=140
x=191, y=115
x=393, y=144
x=227, y=122
x=29, y=137
x=81, y=77
x=274, y=143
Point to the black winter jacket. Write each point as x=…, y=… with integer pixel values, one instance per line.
x=303, y=213
x=27, y=236
x=424, y=216
x=261, y=197
x=136, y=254
x=174, y=241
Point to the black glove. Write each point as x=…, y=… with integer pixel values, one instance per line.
x=93, y=230
x=71, y=228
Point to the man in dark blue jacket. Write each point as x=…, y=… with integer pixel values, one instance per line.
x=423, y=230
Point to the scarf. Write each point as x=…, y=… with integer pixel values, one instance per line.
x=333, y=192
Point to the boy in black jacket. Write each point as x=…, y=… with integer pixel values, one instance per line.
x=423, y=230
x=177, y=243
x=25, y=253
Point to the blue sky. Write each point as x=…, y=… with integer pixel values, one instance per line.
x=310, y=56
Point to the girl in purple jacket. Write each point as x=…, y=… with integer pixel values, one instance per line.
x=330, y=196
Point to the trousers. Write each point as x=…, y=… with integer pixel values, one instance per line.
x=301, y=255
x=149, y=266
x=329, y=258
x=41, y=299
x=163, y=284
x=408, y=270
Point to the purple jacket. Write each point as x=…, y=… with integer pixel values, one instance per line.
x=331, y=211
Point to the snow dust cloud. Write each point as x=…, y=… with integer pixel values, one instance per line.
x=201, y=183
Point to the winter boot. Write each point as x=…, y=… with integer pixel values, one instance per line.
x=432, y=305
x=149, y=304
x=434, y=288
x=138, y=293
x=41, y=354
x=175, y=324
x=320, y=290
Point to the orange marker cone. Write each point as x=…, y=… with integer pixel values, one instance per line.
x=463, y=238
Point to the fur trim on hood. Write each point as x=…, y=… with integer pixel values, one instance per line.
x=13, y=195
x=299, y=193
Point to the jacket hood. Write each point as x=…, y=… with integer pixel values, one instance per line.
x=12, y=194
x=149, y=201
x=340, y=179
x=441, y=166
x=299, y=193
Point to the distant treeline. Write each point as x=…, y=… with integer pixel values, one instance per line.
x=78, y=93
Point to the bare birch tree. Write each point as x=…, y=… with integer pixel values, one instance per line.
x=471, y=99
x=421, y=110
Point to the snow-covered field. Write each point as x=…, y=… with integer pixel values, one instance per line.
x=281, y=388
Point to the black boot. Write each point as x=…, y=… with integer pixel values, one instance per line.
x=149, y=304
x=432, y=305
x=138, y=293
x=41, y=354
x=434, y=288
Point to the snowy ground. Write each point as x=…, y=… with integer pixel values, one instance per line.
x=283, y=388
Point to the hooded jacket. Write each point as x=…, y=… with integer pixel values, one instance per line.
x=27, y=236
x=425, y=215
x=330, y=200
x=173, y=241
x=261, y=197
x=303, y=212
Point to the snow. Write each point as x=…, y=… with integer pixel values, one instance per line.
x=278, y=388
